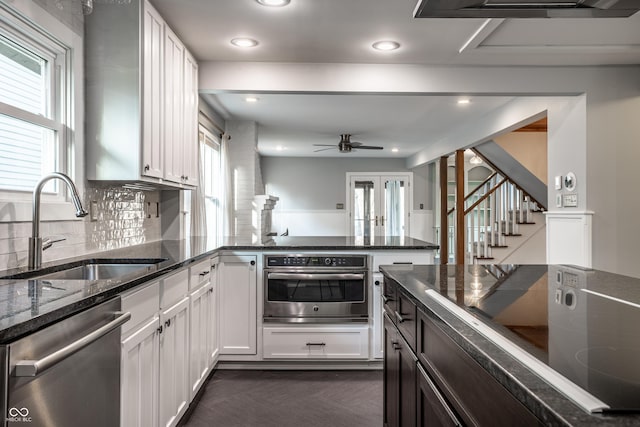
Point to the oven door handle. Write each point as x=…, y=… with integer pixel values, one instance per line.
x=316, y=276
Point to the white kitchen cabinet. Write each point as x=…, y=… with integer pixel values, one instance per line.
x=173, y=106
x=141, y=91
x=190, y=120
x=200, y=324
x=139, y=385
x=237, y=283
x=152, y=151
x=213, y=338
x=316, y=342
x=174, y=363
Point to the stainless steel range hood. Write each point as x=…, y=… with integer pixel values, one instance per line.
x=525, y=8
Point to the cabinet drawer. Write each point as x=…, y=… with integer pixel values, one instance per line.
x=477, y=397
x=316, y=342
x=389, y=290
x=174, y=288
x=199, y=274
x=405, y=318
x=142, y=303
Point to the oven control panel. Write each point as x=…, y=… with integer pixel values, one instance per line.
x=316, y=261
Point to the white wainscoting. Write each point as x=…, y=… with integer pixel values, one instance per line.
x=421, y=225
x=310, y=222
x=569, y=238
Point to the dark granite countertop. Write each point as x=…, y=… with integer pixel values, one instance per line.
x=28, y=305
x=564, y=316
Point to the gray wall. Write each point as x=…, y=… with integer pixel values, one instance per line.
x=319, y=183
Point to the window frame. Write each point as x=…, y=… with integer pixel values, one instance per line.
x=214, y=141
x=34, y=28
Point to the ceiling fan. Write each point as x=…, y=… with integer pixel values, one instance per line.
x=345, y=145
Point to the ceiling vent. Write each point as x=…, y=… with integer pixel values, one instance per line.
x=525, y=8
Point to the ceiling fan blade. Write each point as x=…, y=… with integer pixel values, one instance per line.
x=325, y=145
x=355, y=144
x=323, y=149
x=367, y=147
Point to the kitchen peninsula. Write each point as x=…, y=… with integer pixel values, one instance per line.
x=32, y=304
x=532, y=344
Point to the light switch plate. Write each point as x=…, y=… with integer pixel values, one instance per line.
x=558, y=182
x=93, y=209
x=558, y=200
x=570, y=200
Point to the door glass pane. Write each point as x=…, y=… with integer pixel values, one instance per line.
x=363, y=209
x=394, y=203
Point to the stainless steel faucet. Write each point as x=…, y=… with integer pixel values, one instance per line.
x=35, y=241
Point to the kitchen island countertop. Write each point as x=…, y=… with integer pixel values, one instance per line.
x=581, y=323
x=30, y=304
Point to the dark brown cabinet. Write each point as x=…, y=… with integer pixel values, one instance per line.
x=432, y=409
x=399, y=379
x=477, y=397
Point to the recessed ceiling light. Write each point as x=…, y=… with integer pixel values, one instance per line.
x=244, y=42
x=274, y=3
x=464, y=101
x=251, y=99
x=280, y=148
x=394, y=150
x=386, y=45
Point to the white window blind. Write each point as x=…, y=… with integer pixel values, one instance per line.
x=29, y=128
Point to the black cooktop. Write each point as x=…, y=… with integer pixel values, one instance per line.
x=581, y=323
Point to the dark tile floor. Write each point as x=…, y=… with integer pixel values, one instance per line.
x=290, y=398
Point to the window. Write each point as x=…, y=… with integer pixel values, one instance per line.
x=34, y=101
x=212, y=185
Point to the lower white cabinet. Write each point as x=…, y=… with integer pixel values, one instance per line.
x=213, y=336
x=199, y=330
x=140, y=368
x=156, y=348
x=174, y=363
x=316, y=342
x=238, y=304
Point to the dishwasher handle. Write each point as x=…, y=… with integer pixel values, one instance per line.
x=31, y=368
x=316, y=276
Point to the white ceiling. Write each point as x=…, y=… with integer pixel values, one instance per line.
x=335, y=31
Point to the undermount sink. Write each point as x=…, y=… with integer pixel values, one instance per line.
x=93, y=270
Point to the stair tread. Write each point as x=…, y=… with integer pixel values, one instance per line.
x=482, y=257
x=513, y=235
x=498, y=246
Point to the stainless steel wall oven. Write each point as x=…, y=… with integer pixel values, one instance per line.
x=316, y=288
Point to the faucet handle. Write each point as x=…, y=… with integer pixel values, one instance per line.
x=49, y=241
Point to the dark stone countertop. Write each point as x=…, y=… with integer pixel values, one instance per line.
x=28, y=305
x=603, y=308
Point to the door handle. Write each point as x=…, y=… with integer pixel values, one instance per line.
x=376, y=220
x=31, y=368
x=382, y=218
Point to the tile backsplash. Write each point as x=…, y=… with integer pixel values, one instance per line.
x=121, y=221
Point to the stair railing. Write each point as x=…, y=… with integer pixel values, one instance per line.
x=494, y=210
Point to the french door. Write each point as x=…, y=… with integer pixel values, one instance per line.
x=379, y=204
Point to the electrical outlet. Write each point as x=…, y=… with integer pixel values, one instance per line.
x=93, y=210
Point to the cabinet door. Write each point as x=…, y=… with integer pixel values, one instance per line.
x=377, y=330
x=213, y=341
x=407, y=384
x=432, y=409
x=238, y=294
x=173, y=106
x=198, y=333
x=391, y=372
x=190, y=143
x=174, y=363
x=152, y=126
x=139, y=377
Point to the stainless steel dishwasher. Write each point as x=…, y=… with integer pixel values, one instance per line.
x=67, y=374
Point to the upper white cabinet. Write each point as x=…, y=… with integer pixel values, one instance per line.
x=142, y=100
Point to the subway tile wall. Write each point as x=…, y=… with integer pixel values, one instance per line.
x=122, y=221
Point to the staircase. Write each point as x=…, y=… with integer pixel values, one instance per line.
x=503, y=224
